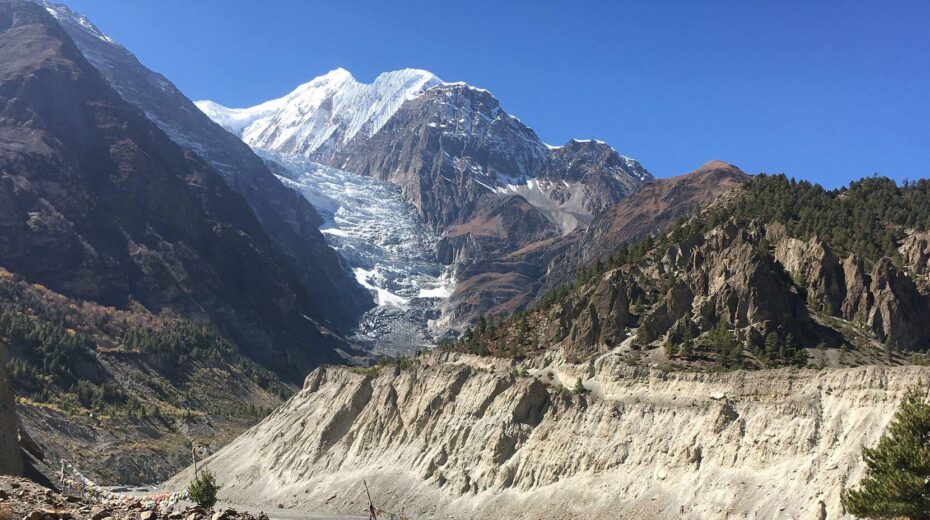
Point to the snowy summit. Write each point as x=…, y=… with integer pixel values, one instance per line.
x=326, y=111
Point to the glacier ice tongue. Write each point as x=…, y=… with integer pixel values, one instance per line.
x=389, y=248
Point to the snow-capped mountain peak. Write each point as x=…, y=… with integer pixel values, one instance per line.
x=323, y=113
x=64, y=15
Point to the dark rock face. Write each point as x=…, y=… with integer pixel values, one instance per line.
x=454, y=145
x=816, y=268
x=499, y=253
x=445, y=149
x=894, y=308
x=858, y=297
x=99, y=204
x=11, y=462
x=884, y=299
x=285, y=216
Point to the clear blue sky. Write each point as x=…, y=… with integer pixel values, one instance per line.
x=827, y=91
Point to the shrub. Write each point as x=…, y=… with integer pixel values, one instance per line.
x=203, y=489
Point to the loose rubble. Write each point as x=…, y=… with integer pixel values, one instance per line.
x=21, y=498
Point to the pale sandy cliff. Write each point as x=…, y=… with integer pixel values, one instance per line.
x=462, y=437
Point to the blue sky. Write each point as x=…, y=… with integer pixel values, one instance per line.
x=827, y=91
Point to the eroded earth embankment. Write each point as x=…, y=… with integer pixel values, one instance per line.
x=456, y=436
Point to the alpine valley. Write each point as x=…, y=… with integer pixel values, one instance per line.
x=399, y=283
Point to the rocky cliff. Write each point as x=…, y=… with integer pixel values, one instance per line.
x=11, y=462
x=465, y=437
x=915, y=250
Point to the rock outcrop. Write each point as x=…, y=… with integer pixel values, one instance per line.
x=815, y=267
x=884, y=299
x=915, y=251
x=726, y=275
x=462, y=437
x=895, y=309
x=11, y=462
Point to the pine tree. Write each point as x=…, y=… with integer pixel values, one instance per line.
x=722, y=341
x=203, y=489
x=772, y=345
x=898, y=469
x=669, y=348
x=687, y=345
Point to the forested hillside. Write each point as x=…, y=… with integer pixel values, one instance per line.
x=779, y=272
x=150, y=383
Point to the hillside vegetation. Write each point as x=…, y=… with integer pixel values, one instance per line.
x=157, y=381
x=779, y=272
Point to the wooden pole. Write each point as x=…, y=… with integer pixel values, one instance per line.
x=372, y=515
x=194, y=458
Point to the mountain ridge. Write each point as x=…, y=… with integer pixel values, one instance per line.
x=456, y=154
x=315, y=129
x=290, y=221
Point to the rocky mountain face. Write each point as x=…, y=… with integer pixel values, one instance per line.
x=515, y=277
x=725, y=274
x=456, y=436
x=445, y=144
x=889, y=302
x=604, y=175
x=458, y=157
x=655, y=207
x=446, y=149
x=726, y=287
x=11, y=463
x=499, y=255
x=99, y=204
x=288, y=219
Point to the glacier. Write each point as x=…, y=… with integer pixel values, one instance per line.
x=387, y=245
